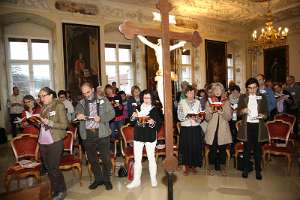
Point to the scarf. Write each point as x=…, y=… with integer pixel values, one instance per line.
x=145, y=110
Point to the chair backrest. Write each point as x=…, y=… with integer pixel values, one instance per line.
x=286, y=117
x=74, y=131
x=68, y=142
x=161, y=133
x=127, y=132
x=279, y=130
x=238, y=124
x=25, y=146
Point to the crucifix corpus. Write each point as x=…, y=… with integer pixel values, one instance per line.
x=163, y=77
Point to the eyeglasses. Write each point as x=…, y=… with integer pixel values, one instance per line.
x=252, y=88
x=25, y=102
x=43, y=95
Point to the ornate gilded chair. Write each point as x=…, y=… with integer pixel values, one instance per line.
x=127, y=132
x=70, y=159
x=292, y=120
x=239, y=146
x=25, y=148
x=279, y=132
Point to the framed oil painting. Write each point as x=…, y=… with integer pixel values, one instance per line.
x=276, y=64
x=81, y=56
x=216, y=67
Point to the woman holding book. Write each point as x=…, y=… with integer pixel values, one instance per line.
x=30, y=116
x=191, y=135
x=218, y=135
x=147, y=123
x=54, y=123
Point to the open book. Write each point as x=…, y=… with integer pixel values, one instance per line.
x=31, y=118
x=28, y=163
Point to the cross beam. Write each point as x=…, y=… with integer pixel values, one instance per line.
x=130, y=31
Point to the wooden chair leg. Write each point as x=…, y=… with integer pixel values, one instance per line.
x=7, y=181
x=289, y=157
x=80, y=175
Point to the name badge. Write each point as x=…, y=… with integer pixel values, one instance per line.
x=258, y=97
x=101, y=101
x=293, y=93
x=52, y=113
x=262, y=91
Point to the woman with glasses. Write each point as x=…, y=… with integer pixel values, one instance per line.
x=147, y=123
x=218, y=135
x=253, y=110
x=54, y=122
x=31, y=108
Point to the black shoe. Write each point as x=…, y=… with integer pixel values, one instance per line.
x=245, y=174
x=60, y=196
x=258, y=176
x=94, y=185
x=108, y=186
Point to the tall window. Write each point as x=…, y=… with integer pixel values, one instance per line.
x=230, y=71
x=186, y=66
x=118, y=64
x=29, y=64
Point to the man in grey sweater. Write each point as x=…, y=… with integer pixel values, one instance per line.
x=94, y=114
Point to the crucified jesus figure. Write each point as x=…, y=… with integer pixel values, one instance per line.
x=158, y=53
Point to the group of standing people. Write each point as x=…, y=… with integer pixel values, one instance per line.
x=206, y=120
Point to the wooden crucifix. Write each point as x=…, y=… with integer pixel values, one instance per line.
x=130, y=31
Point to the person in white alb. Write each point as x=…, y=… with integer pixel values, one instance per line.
x=15, y=105
x=253, y=109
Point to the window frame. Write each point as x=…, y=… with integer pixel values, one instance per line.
x=28, y=62
x=232, y=67
x=181, y=66
x=117, y=63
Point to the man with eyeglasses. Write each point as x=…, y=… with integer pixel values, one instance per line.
x=94, y=113
x=268, y=92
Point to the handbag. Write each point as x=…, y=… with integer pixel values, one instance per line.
x=122, y=172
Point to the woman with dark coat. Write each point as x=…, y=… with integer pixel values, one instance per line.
x=147, y=123
x=253, y=110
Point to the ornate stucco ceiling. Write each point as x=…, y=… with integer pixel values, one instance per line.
x=232, y=11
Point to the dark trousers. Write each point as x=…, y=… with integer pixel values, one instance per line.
x=252, y=144
x=101, y=145
x=218, y=155
x=51, y=155
x=14, y=125
x=232, y=125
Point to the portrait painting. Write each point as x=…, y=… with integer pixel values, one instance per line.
x=81, y=56
x=216, y=67
x=276, y=64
